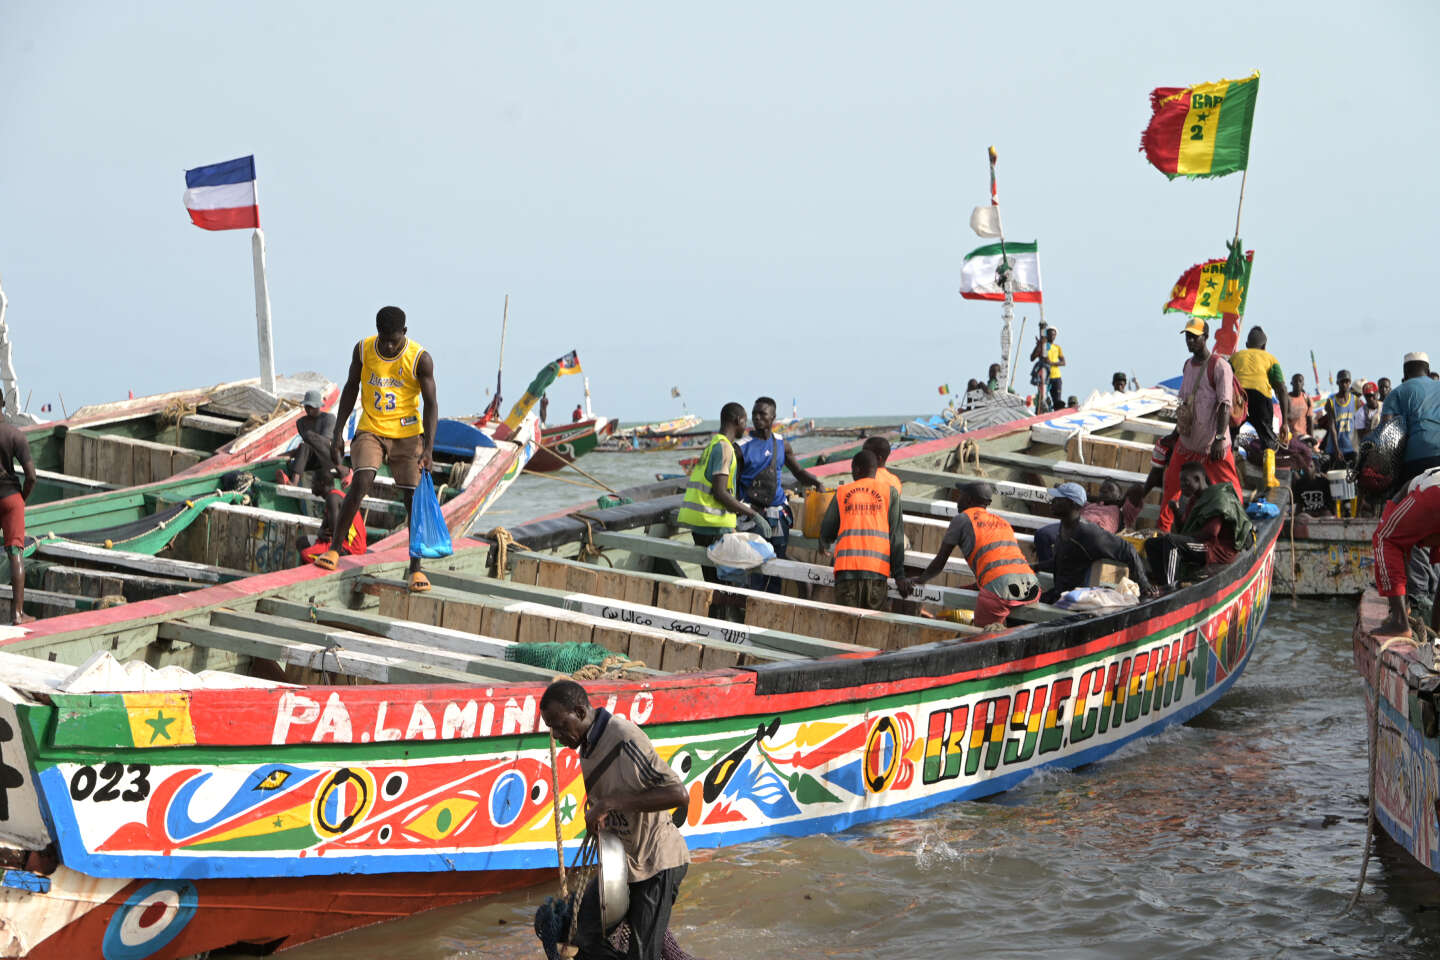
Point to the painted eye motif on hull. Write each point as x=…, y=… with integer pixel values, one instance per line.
x=149, y=919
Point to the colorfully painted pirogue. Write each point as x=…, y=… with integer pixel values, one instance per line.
x=405, y=767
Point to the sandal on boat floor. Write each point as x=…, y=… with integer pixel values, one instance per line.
x=419, y=583
x=328, y=560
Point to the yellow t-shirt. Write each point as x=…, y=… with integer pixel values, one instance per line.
x=1054, y=354
x=389, y=391
x=1253, y=369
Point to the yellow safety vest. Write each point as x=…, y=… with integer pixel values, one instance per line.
x=701, y=509
x=389, y=391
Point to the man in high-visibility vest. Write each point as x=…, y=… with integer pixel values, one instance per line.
x=1003, y=577
x=865, y=525
x=710, y=506
x=879, y=447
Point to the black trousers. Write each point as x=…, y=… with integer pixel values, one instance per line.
x=1260, y=413
x=1173, y=556
x=705, y=540
x=648, y=916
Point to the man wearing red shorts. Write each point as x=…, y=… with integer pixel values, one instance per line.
x=1202, y=423
x=1412, y=521
x=14, y=491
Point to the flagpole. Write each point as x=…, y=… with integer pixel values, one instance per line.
x=262, y=313
x=1241, y=205
x=1007, y=311
x=11, y=392
x=500, y=367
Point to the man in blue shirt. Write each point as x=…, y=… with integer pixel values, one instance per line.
x=1416, y=402
x=762, y=453
x=1338, y=419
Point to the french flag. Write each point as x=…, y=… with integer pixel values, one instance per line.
x=222, y=196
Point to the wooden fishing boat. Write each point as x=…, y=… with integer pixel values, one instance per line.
x=568, y=442
x=1402, y=696
x=182, y=534
x=664, y=435
x=401, y=765
x=186, y=433
x=1323, y=556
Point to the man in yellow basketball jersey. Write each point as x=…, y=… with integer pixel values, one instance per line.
x=389, y=374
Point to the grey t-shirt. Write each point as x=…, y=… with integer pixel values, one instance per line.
x=652, y=841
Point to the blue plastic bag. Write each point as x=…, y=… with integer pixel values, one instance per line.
x=1262, y=509
x=429, y=537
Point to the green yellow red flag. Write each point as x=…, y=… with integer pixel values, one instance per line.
x=1201, y=131
x=1205, y=291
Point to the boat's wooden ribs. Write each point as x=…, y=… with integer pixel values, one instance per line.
x=124, y=461
x=782, y=622
x=139, y=562
x=315, y=656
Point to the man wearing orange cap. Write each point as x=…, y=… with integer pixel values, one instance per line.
x=1202, y=422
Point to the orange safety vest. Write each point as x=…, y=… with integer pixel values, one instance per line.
x=882, y=474
x=864, y=541
x=996, y=551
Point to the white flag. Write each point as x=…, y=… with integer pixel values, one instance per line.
x=985, y=221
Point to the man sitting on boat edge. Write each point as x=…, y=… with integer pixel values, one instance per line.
x=630, y=792
x=1212, y=529
x=1412, y=521
x=1081, y=543
x=1003, y=579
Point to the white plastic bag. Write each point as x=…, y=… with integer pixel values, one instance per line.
x=740, y=551
x=1095, y=598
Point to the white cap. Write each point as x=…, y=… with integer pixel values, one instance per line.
x=1418, y=356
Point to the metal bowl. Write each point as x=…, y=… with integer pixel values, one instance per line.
x=614, y=880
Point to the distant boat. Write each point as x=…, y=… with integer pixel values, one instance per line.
x=568, y=442
x=665, y=435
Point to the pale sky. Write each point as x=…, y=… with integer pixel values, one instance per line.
x=737, y=199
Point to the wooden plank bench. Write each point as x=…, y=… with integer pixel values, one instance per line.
x=683, y=622
x=811, y=618
x=315, y=656
x=468, y=654
x=535, y=622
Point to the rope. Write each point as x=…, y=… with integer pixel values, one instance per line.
x=504, y=540
x=174, y=412
x=1295, y=583
x=970, y=453
x=589, y=553
x=457, y=473
x=555, y=812
x=1373, y=744
x=611, y=668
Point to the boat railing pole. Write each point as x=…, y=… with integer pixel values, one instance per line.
x=262, y=314
x=11, y=386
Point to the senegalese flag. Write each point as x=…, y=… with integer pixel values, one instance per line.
x=1205, y=291
x=1201, y=131
x=570, y=363
x=944, y=389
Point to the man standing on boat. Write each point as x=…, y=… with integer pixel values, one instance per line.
x=1202, y=421
x=1416, y=403
x=1260, y=375
x=1299, y=408
x=761, y=454
x=879, y=448
x=1048, y=350
x=1337, y=417
x=394, y=373
x=710, y=508
x=1003, y=579
x=14, y=491
x=866, y=528
x=630, y=792
x=1410, y=522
